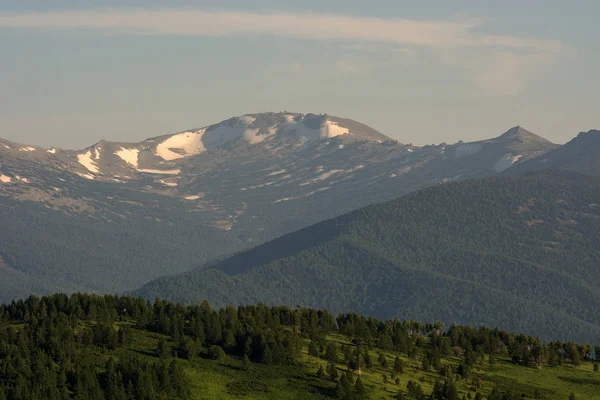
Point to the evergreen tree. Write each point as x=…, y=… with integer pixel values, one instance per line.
x=398, y=365
x=162, y=349
x=246, y=363
x=343, y=388
x=359, y=389
x=313, y=350
x=331, y=353
x=332, y=371
x=320, y=372
x=425, y=364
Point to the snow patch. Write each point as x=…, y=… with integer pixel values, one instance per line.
x=332, y=129
x=322, y=177
x=247, y=119
x=222, y=134
x=130, y=156
x=5, y=179
x=168, y=183
x=192, y=197
x=8, y=147
x=328, y=129
x=86, y=176
x=162, y=172
x=467, y=149
x=51, y=151
x=506, y=162
x=85, y=159
x=27, y=149
x=302, y=196
x=187, y=144
x=402, y=171
x=281, y=171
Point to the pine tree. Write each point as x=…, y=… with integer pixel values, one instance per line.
x=331, y=353
x=382, y=360
x=398, y=365
x=368, y=360
x=426, y=365
x=246, y=362
x=359, y=389
x=332, y=371
x=360, y=363
x=321, y=372
x=313, y=350
x=162, y=349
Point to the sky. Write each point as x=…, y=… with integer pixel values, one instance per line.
x=73, y=73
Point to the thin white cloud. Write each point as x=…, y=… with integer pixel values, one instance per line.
x=441, y=33
x=509, y=59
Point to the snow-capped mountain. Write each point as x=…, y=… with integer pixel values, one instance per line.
x=186, y=198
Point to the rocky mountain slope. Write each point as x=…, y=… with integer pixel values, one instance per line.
x=115, y=215
x=517, y=252
x=582, y=154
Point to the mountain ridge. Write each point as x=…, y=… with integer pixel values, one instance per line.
x=225, y=194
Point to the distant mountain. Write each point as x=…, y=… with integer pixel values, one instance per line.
x=522, y=253
x=582, y=154
x=116, y=215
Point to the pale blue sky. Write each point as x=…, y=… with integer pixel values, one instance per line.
x=422, y=72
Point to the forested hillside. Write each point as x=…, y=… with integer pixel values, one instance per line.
x=522, y=253
x=92, y=347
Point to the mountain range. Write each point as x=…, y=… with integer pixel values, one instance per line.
x=116, y=215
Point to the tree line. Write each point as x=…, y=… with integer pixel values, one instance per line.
x=49, y=346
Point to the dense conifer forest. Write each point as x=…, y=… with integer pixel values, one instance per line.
x=109, y=347
x=520, y=252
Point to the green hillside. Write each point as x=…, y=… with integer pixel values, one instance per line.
x=92, y=347
x=522, y=253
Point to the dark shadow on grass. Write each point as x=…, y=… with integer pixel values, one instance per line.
x=148, y=353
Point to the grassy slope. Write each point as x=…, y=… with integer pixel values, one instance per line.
x=227, y=380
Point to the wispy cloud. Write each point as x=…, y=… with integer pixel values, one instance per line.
x=302, y=26
x=505, y=51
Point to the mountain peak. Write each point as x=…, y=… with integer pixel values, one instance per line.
x=519, y=134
